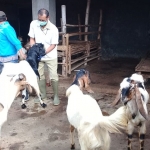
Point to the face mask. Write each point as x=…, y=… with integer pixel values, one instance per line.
x=42, y=23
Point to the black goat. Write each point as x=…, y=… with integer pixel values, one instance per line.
x=34, y=55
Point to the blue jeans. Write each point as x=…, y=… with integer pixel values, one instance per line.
x=12, y=61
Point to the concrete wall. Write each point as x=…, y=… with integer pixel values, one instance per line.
x=19, y=18
x=50, y=5
x=125, y=25
x=125, y=29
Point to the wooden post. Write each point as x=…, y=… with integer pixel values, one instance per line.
x=79, y=23
x=62, y=36
x=99, y=32
x=100, y=23
x=63, y=25
x=63, y=14
x=87, y=18
x=67, y=54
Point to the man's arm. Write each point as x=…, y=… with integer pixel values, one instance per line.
x=32, y=41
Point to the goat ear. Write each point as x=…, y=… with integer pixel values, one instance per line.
x=140, y=104
x=74, y=78
x=68, y=92
x=1, y=107
x=17, y=94
x=117, y=99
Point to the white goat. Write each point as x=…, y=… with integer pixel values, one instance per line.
x=23, y=67
x=93, y=128
x=133, y=94
x=9, y=89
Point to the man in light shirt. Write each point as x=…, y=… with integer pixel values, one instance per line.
x=43, y=31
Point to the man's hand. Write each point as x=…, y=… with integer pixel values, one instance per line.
x=50, y=48
x=22, y=55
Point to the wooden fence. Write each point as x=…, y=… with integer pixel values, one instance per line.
x=74, y=53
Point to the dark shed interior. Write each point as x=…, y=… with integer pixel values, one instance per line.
x=125, y=24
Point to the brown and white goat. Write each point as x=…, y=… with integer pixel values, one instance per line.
x=10, y=87
x=134, y=96
x=23, y=67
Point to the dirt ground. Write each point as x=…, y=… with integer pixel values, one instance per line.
x=36, y=128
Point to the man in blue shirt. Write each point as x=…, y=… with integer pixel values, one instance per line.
x=9, y=43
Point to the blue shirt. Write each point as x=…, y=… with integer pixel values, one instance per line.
x=9, y=43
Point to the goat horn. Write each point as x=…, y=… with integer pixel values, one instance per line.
x=116, y=101
x=140, y=104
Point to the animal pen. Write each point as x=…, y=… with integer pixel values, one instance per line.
x=74, y=53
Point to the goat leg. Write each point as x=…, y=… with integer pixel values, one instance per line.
x=142, y=132
x=72, y=137
x=142, y=137
x=23, y=106
x=130, y=130
x=41, y=102
x=129, y=142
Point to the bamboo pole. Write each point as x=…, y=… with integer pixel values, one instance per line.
x=87, y=18
x=79, y=23
x=100, y=22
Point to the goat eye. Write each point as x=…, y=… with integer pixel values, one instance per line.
x=125, y=103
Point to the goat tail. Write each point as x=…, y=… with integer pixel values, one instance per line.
x=115, y=121
x=93, y=137
x=96, y=136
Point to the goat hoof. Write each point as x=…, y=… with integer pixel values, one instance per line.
x=43, y=105
x=23, y=106
x=72, y=146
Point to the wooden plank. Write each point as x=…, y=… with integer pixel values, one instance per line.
x=83, y=33
x=89, y=59
x=144, y=65
x=77, y=66
x=62, y=47
x=78, y=59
